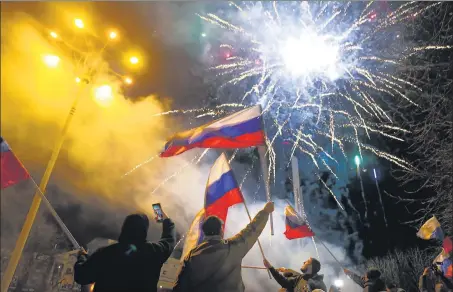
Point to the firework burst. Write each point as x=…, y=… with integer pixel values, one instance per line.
x=322, y=71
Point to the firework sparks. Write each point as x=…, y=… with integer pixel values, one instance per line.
x=320, y=70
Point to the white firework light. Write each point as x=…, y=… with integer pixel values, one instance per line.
x=318, y=68
x=322, y=71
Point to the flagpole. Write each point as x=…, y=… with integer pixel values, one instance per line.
x=262, y=153
x=33, y=211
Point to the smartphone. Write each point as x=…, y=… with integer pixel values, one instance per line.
x=158, y=211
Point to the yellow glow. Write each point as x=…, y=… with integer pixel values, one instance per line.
x=113, y=35
x=77, y=80
x=134, y=60
x=104, y=95
x=128, y=80
x=79, y=23
x=51, y=60
x=53, y=34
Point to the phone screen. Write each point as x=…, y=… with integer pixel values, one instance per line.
x=158, y=210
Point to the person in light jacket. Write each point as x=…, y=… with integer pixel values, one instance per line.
x=215, y=264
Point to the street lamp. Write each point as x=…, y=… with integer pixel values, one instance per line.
x=134, y=60
x=51, y=61
x=104, y=96
x=128, y=80
x=113, y=35
x=79, y=23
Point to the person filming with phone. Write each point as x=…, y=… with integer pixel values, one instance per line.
x=133, y=264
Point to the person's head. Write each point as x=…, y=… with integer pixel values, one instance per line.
x=212, y=226
x=311, y=266
x=135, y=229
x=373, y=274
x=391, y=287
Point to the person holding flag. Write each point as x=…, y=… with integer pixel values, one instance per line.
x=242, y=129
x=210, y=262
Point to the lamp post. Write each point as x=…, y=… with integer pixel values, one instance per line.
x=102, y=93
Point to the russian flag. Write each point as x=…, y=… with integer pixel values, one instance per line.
x=445, y=263
x=12, y=171
x=222, y=190
x=295, y=226
x=431, y=230
x=240, y=130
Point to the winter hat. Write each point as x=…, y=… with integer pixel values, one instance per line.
x=373, y=274
x=316, y=265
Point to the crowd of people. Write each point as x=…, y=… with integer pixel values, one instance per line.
x=134, y=265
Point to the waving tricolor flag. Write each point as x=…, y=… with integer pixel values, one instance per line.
x=431, y=229
x=12, y=171
x=239, y=130
x=445, y=264
x=222, y=192
x=295, y=226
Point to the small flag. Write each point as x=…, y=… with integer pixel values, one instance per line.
x=295, y=226
x=431, y=230
x=239, y=130
x=447, y=244
x=222, y=190
x=445, y=264
x=12, y=171
x=195, y=235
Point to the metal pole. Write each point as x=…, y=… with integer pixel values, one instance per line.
x=262, y=153
x=296, y=184
x=29, y=220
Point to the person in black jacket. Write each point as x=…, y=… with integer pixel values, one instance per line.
x=371, y=282
x=132, y=264
x=293, y=281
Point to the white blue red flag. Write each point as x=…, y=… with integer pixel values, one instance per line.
x=445, y=264
x=296, y=227
x=239, y=130
x=222, y=192
x=12, y=171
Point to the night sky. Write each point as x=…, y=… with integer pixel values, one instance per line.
x=146, y=24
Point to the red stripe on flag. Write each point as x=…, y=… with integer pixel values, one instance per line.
x=220, y=207
x=12, y=171
x=298, y=232
x=243, y=141
x=447, y=244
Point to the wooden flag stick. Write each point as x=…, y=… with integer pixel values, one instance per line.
x=254, y=267
x=264, y=166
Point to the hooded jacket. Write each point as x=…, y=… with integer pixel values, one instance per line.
x=296, y=282
x=132, y=264
x=215, y=264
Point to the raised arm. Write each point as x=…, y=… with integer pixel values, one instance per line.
x=356, y=278
x=287, y=283
x=244, y=240
x=167, y=241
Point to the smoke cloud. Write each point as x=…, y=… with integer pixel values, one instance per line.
x=104, y=142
